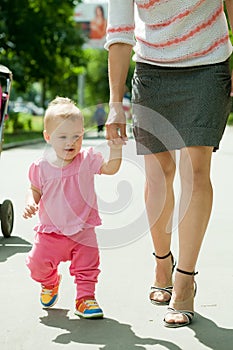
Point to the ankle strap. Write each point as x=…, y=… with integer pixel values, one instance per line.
x=186, y=272
x=163, y=257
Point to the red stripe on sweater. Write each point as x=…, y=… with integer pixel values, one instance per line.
x=120, y=29
x=187, y=36
x=208, y=50
x=176, y=17
x=149, y=4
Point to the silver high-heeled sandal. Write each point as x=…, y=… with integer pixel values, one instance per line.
x=165, y=289
x=188, y=314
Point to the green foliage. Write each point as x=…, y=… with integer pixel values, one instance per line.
x=96, y=77
x=17, y=125
x=230, y=119
x=97, y=88
x=20, y=122
x=39, y=41
x=42, y=45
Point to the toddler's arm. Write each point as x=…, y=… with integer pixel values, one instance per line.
x=32, y=200
x=113, y=164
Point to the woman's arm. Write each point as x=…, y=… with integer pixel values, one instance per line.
x=229, y=8
x=118, y=66
x=119, y=41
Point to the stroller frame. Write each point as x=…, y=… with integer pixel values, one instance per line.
x=6, y=208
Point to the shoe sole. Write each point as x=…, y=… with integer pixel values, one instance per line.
x=188, y=314
x=56, y=300
x=100, y=315
x=48, y=306
x=158, y=303
x=176, y=325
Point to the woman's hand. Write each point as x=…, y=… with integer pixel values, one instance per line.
x=116, y=124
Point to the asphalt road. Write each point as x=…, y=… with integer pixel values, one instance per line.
x=131, y=321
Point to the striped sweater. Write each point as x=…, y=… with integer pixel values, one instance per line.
x=170, y=32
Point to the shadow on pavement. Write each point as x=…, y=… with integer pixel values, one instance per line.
x=109, y=334
x=211, y=335
x=11, y=246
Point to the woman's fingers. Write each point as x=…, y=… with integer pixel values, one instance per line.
x=116, y=132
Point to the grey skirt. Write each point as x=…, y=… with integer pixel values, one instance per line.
x=175, y=108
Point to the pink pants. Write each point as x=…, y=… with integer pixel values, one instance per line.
x=50, y=249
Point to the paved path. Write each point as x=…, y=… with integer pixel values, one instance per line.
x=130, y=322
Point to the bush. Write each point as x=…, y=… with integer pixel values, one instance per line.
x=230, y=119
x=14, y=123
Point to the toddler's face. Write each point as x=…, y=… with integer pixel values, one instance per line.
x=66, y=138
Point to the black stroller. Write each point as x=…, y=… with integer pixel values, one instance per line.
x=6, y=208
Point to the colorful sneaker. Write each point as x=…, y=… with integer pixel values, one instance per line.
x=88, y=308
x=49, y=294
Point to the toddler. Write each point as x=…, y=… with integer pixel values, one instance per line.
x=62, y=190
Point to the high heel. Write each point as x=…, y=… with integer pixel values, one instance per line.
x=186, y=313
x=168, y=289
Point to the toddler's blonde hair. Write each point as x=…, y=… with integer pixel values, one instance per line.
x=61, y=107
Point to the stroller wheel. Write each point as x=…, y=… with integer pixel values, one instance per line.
x=7, y=217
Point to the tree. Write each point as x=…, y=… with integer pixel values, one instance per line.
x=96, y=77
x=97, y=87
x=40, y=42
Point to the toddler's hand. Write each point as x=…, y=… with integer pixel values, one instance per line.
x=30, y=210
x=116, y=144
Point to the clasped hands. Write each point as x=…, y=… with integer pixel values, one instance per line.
x=116, y=125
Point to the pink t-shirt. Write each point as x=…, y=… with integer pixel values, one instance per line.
x=68, y=203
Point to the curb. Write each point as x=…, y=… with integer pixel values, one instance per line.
x=21, y=143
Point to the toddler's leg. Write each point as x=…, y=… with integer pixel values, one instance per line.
x=85, y=267
x=44, y=258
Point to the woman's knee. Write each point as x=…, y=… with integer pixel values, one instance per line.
x=195, y=167
x=160, y=169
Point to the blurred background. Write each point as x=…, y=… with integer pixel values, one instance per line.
x=51, y=50
x=53, y=47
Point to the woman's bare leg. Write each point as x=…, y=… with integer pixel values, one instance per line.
x=159, y=199
x=194, y=214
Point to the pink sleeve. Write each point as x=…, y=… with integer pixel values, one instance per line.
x=34, y=175
x=95, y=161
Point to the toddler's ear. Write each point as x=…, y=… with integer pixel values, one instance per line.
x=46, y=136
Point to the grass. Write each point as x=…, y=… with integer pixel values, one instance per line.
x=22, y=127
x=21, y=136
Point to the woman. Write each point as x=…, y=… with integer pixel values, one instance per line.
x=181, y=100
